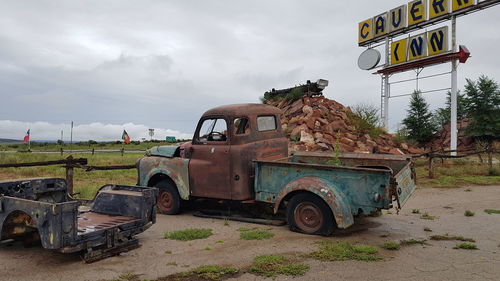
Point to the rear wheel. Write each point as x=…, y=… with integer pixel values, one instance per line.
x=169, y=201
x=309, y=214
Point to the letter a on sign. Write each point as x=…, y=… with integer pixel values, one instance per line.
x=437, y=41
x=399, y=51
x=438, y=8
x=417, y=47
x=365, y=31
x=380, y=25
x=416, y=12
x=460, y=4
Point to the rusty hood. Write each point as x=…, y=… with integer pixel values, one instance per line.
x=165, y=151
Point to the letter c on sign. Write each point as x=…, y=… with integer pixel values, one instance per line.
x=363, y=33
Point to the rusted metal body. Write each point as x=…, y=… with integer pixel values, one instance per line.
x=245, y=163
x=42, y=208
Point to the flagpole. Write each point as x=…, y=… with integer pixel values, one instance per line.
x=29, y=140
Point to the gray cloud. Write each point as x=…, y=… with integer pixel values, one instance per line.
x=163, y=63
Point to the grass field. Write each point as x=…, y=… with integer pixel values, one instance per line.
x=87, y=145
x=451, y=173
x=85, y=183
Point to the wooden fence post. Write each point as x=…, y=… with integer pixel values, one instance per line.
x=61, y=151
x=431, y=168
x=69, y=174
x=123, y=151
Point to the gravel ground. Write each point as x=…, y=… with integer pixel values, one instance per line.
x=437, y=261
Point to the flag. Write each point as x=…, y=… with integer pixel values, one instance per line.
x=27, y=137
x=125, y=137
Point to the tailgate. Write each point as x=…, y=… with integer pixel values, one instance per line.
x=404, y=184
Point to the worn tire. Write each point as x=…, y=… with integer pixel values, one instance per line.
x=309, y=214
x=168, y=201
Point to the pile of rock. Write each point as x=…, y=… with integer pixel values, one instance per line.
x=441, y=140
x=321, y=124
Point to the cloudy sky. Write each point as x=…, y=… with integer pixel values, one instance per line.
x=114, y=65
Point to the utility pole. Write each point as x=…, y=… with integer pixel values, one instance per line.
x=454, y=66
x=71, y=138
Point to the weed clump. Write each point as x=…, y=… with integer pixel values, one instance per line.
x=427, y=229
x=451, y=237
x=415, y=211
x=210, y=272
x=392, y=245
x=189, y=234
x=256, y=235
x=274, y=265
x=490, y=211
x=469, y=213
x=412, y=241
x=466, y=246
x=342, y=251
x=426, y=216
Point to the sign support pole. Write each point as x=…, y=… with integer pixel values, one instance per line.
x=454, y=66
x=386, y=90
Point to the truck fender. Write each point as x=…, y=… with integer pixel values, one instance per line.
x=332, y=195
x=181, y=186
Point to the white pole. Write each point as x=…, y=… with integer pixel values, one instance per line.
x=454, y=66
x=71, y=138
x=386, y=87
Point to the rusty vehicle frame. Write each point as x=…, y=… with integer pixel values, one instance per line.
x=41, y=210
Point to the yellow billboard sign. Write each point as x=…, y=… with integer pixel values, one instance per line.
x=437, y=41
x=399, y=51
x=417, y=47
x=417, y=12
x=438, y=8
x=460, y=4
x=365, y=30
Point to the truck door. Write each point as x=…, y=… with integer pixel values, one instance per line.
x=210, y=164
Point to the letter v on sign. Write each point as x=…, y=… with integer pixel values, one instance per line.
x=399, y=51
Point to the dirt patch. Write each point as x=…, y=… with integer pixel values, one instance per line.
x=434, y=260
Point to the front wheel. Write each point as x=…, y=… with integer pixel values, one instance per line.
x=309, y=214
x=169, y=201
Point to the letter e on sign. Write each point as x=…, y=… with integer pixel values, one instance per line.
x=397, y=18
x=365, y=31
x=437, y=42
x=460, y=4
x=438, y=8
x=417, y=12
x=380, y=25
x=417, y=47
x=399, y=51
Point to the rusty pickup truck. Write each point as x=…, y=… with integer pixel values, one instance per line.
x=239, y=153
x=35, y=210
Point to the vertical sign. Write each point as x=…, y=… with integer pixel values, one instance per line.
x=380, y=25
x=417, y=47
x=397, y=18
x=417, y=12
x=365, y=31
x=399, y=51
x=437, y=41
x=438, y=8
x=460, y=4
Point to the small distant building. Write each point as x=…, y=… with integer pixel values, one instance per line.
x=170, y=139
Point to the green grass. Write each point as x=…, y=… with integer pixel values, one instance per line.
x=37, y=146
x=189, y=234
x=242, y=229
x=415, y=211
x=469, y=213
x=427, y=229
x=410, y=242
x=207, y=248
x=391, y=245
x=342, y=251
x=274, y=265
x=451, y=237
x=168, y=252
x=456, y=173
x=256, y=235
x=490, y=211
x=426, y=216
x=209, y=272
x=466, y=246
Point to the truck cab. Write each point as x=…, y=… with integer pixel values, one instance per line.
x=218, y=162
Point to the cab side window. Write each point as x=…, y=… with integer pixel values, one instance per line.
x=241, y=126
x=213, y=129
x=266, y=123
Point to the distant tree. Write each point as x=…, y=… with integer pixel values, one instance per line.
x=418, y=120
x=483, y=110
x=441, y=116
x=367, y=112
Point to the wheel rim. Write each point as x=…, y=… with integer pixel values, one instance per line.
x=308, y=217
x=165, y=201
